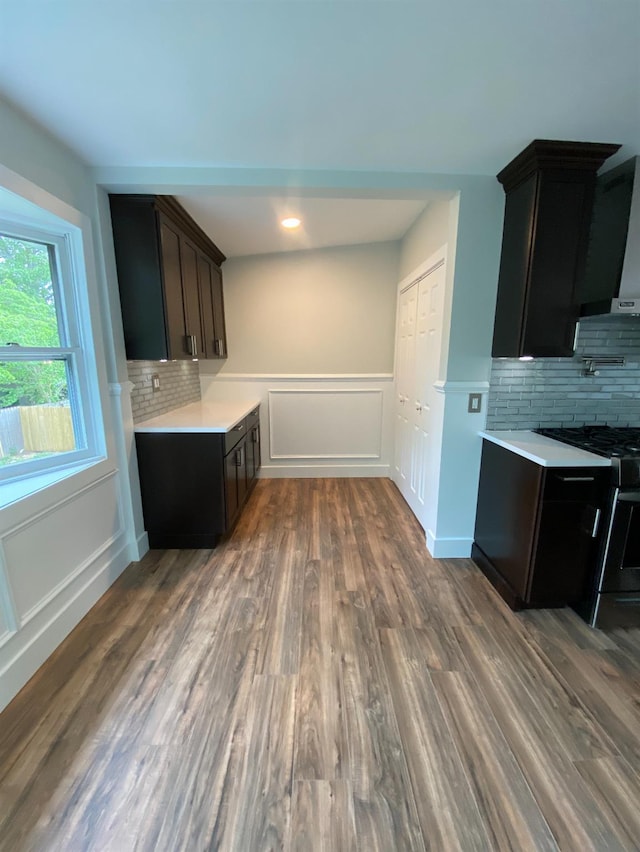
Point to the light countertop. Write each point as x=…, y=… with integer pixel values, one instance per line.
x=545, y=451
x=200, y=417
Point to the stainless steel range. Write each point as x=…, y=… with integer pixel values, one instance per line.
x=614, y=600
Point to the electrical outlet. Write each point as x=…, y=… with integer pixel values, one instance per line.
x=475, y=403
x=155, y=381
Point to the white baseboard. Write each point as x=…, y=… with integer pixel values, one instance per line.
x=299, y=471
x=48, y=629
x=448, y=548
x=142, y=546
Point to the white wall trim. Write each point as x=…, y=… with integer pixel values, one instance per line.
x=7, y=602
x=118, y=388
x=448, y=548
x=438, y=258
x=32, y=519
x=303, y=377
x=142, y=545
x=322, y=471
x=461, y=387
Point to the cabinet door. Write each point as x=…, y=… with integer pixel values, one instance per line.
x=175, y=321
x=231, y=486
x=557, y=266
x=564, y=557
x=218, y=312
x=206, y=305
x=253, y=454
x=191, y=297
x=566, y=544
x=213, y=327
x=241, y=463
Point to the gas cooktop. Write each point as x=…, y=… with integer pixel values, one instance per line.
x=609, y=441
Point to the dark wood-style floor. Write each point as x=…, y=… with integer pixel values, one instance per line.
x=319, y=683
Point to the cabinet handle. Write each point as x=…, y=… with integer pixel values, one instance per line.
x=254, y=436
x=575, y=336
x=576, y=478
x=192, y=345
x=239, y=457
x=217, y=344
x=596, y=523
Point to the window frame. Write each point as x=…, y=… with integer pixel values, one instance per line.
x=75, y=347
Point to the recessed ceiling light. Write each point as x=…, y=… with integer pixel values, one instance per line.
x=291, y=222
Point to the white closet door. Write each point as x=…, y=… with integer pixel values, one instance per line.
x=418, y=358
x=404, y=383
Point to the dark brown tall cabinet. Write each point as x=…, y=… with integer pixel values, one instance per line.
x=549, y=201
x=170, y=281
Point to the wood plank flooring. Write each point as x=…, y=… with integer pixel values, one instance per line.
x=318, y=682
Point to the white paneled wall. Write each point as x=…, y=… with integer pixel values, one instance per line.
x=320, y=423
x=317, y=425
x=55, y=562
x=37, y=559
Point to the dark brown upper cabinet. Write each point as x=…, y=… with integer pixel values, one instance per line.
x=170, y=281
x=549, y=191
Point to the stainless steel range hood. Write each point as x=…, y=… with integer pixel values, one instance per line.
x=612, y=277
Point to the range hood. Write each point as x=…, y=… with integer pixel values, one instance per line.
x=612, y=276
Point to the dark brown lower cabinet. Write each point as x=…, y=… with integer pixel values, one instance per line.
x=537, y=528
x=194, y=484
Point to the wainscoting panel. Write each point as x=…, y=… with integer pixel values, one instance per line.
x=38, y=558
x=54, y=565
x=314, y=423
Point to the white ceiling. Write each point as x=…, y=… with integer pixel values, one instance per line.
x=455, y=87
x=251, y=224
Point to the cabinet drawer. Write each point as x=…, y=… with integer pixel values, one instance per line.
x=234, y=435
x=574, y=483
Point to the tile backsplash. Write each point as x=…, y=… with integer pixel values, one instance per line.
x=553, y=391
x=179, y=385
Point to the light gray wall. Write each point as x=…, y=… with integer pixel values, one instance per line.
x=325, y=311
x=424, y=237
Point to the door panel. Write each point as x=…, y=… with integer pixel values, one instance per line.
x=218, y=312
x=419, y=336
x=191, y=296
x=206, y=304
x=174, y=306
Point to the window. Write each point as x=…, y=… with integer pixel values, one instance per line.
x=45, y=398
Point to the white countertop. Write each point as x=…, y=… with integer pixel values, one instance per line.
x=545, y=451
x=199, y=417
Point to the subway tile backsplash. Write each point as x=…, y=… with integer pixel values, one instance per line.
x=553, y=391
x=179, y=385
